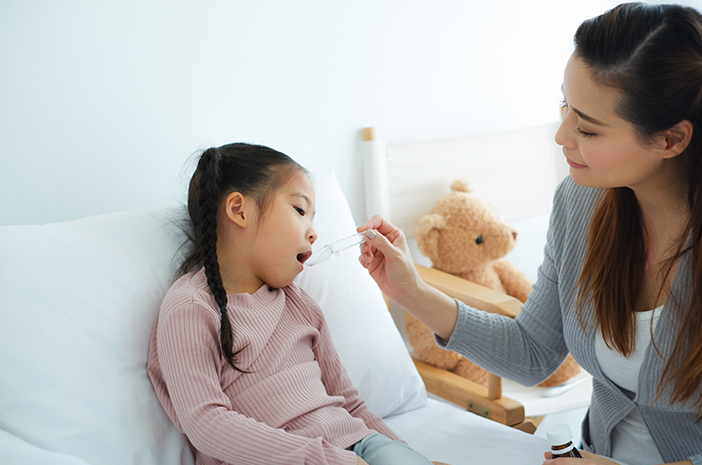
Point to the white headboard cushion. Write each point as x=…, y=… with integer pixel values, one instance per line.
x=516, y=171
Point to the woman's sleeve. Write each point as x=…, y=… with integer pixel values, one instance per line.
x=529, y=348
x=189, y=356
x=335, y=378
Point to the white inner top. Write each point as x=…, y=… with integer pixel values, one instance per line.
x=631, y=440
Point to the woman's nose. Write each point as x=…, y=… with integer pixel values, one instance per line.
x=564, y=135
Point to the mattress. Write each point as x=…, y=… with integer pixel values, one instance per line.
x=445, y=433
x=439, y=431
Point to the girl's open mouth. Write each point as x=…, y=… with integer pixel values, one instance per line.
x=302, y=257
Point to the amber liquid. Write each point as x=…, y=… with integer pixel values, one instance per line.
x=571, y=453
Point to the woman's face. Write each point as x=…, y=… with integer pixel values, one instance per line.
x=601, y=148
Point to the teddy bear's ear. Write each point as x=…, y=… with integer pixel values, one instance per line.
x=461, y=185
x=427, y=234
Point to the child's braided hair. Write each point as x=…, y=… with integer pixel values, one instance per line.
x=252, y=170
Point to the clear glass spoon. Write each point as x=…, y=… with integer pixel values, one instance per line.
x=333, y=248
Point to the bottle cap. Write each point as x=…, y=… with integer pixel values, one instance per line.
x=559, y=434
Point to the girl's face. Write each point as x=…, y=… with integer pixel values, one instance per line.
x=284, y=236
x=601, y=148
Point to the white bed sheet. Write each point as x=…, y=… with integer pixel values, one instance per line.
x=442, y=432
x=15, y=451
x=439, y=431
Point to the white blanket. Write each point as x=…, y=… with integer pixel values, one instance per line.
x=442, y=432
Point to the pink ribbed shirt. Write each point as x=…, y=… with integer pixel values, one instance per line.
x=296, y=406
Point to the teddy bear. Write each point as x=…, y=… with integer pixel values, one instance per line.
x=463, y=235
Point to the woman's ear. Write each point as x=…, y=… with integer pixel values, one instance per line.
x=237, y=208
x=678, y=138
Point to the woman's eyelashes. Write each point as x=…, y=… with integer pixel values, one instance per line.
x=563, y=104
x=582, y=133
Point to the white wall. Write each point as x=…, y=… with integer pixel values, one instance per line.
x=102, y=103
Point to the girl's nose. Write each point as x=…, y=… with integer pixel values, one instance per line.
x=312, y=236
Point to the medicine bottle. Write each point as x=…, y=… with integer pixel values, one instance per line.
x=561, y=440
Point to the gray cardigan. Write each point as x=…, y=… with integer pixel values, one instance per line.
x=529, y=348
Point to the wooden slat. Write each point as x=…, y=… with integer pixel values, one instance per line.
x=471, y=294
x=469, y=395
x=527, y=426
x=494, y=386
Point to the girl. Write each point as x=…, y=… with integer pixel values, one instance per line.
x=240, y=357
x=621, y=282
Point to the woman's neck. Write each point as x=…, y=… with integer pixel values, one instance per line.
x=664, y=211
x=663, y=200
x=665, y=214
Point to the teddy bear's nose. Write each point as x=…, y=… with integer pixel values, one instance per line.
x=514, y=235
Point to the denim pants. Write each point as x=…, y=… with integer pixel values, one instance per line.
x=377, y=449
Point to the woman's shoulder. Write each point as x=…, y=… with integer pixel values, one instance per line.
x=571, y=215
x=572, y=194
x=573, y=204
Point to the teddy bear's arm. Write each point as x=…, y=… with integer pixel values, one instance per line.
x=514, y=281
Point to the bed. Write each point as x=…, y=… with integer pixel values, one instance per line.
x=77, y=302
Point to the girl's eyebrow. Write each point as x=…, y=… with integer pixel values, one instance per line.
x=305, y=197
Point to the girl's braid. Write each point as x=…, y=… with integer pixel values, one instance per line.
x=210, y=180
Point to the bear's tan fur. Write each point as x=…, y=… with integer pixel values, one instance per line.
x=463, y=235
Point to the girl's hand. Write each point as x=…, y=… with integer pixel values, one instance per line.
x=360, y=461
x=387, y=257
x=588, y=459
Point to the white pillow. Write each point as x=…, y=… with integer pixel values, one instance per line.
x=77, y=303
x=364, y=333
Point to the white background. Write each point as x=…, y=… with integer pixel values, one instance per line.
x=102, y=103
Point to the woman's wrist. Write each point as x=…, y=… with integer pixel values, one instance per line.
x=432, y=307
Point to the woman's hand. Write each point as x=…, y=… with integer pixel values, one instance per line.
x=387, y=257
x=588, y=459
x=360, y=461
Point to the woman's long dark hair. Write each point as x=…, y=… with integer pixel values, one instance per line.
x=652, y=54
x=253, y=170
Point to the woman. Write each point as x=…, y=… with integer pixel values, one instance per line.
x=621, y=282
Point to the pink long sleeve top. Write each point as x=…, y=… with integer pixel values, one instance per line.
x=296, y=404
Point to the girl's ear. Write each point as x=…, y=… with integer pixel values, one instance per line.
x=678, y=138
x=237, y=208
